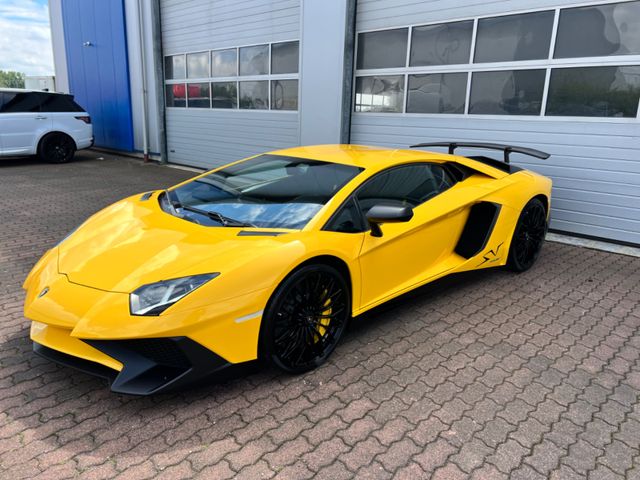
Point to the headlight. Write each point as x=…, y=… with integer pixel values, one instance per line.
x=155, y=298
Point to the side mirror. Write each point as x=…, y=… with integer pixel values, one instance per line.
x=379, y=214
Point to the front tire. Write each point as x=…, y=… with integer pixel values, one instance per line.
x=528, y=236
x=305, y=318
x=56, y=148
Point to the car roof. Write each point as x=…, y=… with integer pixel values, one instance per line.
x=379, y=158
x=362, y=156
x=28, y=90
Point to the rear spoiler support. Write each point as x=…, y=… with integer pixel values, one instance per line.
x=506, y=149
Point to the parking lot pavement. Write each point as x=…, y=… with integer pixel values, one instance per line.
x=486, y=375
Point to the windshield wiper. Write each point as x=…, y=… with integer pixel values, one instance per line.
x=218, y=217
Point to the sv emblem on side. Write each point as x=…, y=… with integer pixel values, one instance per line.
x=491, y=256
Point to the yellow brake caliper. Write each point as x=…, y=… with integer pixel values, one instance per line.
x=324, y=321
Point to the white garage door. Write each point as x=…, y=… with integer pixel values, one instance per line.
x=563, y=78
x=231, y=78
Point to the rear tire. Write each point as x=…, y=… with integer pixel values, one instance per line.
x=56, y=148
x=528, y=236
x=305, y=319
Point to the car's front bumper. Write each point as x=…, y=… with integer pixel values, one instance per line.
x=148, y=366
x=93, y=330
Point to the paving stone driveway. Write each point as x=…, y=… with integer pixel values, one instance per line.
x=486, y=375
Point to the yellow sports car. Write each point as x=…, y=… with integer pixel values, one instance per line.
x=269, y=257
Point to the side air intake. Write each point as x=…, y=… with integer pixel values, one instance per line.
x=477, y=230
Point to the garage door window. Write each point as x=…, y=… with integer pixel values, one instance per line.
x=198, y=95
x=284, y=94
x=175, y=67
x=379, y=94
x=515, y=92
x=224, y=95
x=254, y=95
x=442, y=44
x=224, y=63
x=594, y=92
x=252, y=77
x=599, y=30
x=198, y=65
x=580, y=61
x=254, y=60
x=514, y=38
x=176, y=95
x=437, y=93
x=383, y=49
x=284, y=57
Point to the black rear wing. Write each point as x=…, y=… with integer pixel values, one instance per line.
x=506, y=149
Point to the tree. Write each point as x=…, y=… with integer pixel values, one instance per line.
x=9, y=79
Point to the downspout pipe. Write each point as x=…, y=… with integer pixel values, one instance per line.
x=347, y=73
x=158, y=68
x=145, y=121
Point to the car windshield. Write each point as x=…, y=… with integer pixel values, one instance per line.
x=269, y=191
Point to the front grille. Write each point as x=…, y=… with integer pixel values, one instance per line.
x=163, y=351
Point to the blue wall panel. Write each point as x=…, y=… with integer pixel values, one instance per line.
x=96, y=46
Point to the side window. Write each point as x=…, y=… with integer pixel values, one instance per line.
x=5, y=99
x=22, y=102
x=410, y=185
x=55, y=102
x=347, y=219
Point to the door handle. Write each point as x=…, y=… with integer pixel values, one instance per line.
x=40, y=117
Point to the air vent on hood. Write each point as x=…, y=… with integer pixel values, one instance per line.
x=146, y=196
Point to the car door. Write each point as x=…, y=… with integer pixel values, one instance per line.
x=21, y=122
x=410, y=253
x=1, y=122
x=5, y=119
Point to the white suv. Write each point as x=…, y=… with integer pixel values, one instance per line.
x=50, y=125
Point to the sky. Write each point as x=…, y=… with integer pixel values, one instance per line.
x=25, y=37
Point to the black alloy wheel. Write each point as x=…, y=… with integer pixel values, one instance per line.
x=528, y=236
x=57, y=148
x=305, y=318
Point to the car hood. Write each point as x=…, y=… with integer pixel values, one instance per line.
x=133, y=243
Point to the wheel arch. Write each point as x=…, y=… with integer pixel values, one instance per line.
x=323, y=259
x=55, y=132
x=545, y=202
x=332, y=261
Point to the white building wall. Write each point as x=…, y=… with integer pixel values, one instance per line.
x=322, y=84
x=134, y=52
x=57, y=42
x=594, y=164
